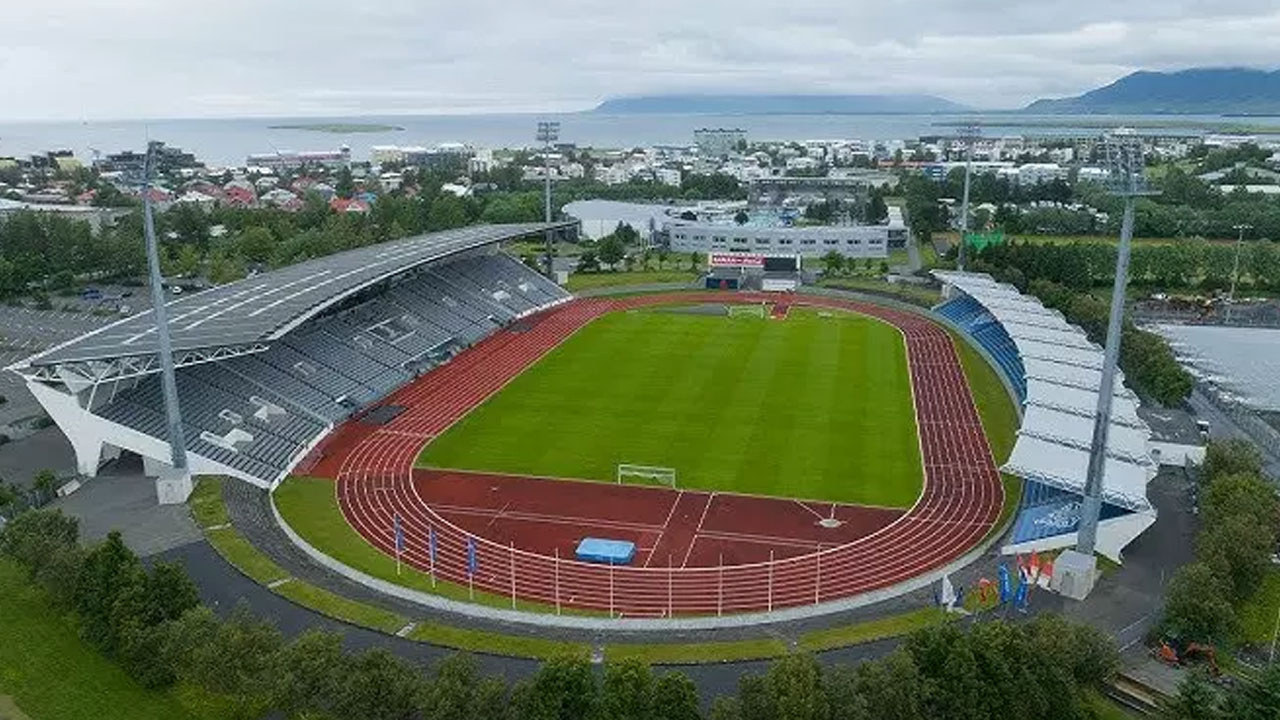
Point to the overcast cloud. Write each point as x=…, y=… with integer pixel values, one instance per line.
x=97, y=59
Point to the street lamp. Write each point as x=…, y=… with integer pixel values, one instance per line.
x=1235, y=268
x=548, y=133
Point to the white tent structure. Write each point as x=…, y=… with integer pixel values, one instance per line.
x=1054, y=370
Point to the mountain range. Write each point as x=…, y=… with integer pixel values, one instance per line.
x=1207, y=91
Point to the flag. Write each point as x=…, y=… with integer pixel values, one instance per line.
x=1046, y=573
x=431, y=544
x=399, y=534
x=1005, y=590
x=471, y=556
x=946, y=593
x=1035, y=565
x=1020, y=599
x=984, y=586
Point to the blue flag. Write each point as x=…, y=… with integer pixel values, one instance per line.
x=399, y=535
x=1005, y=591
x=471, y=556
x=1020, y=599
x=431, y=544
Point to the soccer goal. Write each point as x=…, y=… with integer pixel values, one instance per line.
x=747, y=310
x=663, y=475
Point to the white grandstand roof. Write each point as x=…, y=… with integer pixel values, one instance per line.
x=1062, y=372
x=1068, y=374
x=267, y=306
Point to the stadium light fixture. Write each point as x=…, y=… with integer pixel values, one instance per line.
x=1125, y=163
x=177, y=442
x=548, y=133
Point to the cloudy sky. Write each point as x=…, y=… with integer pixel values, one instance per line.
x=96, y=59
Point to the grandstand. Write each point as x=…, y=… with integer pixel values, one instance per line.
x=1054, y=370
x=267, y=366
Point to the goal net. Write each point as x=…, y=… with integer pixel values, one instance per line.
x=747, y=310
x=661, y=475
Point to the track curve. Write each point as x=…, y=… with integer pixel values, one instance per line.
x=960, y=501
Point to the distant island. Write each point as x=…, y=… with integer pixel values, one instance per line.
x=778, y=105
x=339, y=128
x=1197, y=91
x=1103, y=123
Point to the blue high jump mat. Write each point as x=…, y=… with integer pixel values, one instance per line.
x=600, y=550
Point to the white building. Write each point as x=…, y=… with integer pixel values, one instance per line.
x=858, y=241
x=718, y=142
x=668, y=176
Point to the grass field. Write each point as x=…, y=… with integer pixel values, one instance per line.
x=810, y=407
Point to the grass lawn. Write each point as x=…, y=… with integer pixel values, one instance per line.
x=1257, y=614
x=691, y=653
x=810, y=407
x=588, y=281
x=877, y=629
x=52, y=674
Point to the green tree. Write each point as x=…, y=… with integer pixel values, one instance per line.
x=33, y=537
x=626, y=692
x=693, y=261
x=344, y=184
x=8, y=496
x=1233, y=456
x=1238, y=549
x=307, y=676
x=456, y=691
x=1258, y=699
x=1195, y=605
x=563, y=688
x=675, y=698
x=832, y=263
x=741, y=217
x=255, y=244
x=587, y=261
x=109, y=569
x=45, y=482
x=377, y=685
x=610, y=250
x=1197, y=699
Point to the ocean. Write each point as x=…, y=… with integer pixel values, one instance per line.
x=221, y=142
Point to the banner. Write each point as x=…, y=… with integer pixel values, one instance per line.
x=737, y=260
x=399, y=535
x=1005, y=590
x=472, y=564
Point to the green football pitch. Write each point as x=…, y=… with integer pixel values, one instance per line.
x=816, y=406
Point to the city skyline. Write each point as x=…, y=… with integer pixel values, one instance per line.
x=127, y=59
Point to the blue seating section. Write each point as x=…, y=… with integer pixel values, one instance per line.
x=1046, y=511
x=971, y=317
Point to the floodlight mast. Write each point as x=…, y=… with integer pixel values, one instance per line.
x=1235, y=268
x=1124, y=158
x=969, y=133
x=177, y=442
x=548, y=133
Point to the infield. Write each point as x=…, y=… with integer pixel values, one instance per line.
x=816, y=406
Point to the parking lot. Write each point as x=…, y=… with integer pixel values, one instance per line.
x=23, y=332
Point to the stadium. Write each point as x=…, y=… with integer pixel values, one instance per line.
x=684, y=455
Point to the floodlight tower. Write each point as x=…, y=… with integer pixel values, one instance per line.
x=968, y=132
x=176, y=487
x=1235, y=268
x=1124, y=160
x=548, y=133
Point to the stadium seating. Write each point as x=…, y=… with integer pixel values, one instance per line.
x=974, y=320
x=1046, y=512
x=259, y=413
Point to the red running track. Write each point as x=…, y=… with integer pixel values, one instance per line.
x=958, y=505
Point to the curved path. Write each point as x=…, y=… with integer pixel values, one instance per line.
x=959, y=503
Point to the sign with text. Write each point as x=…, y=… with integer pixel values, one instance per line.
x=737, y=260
